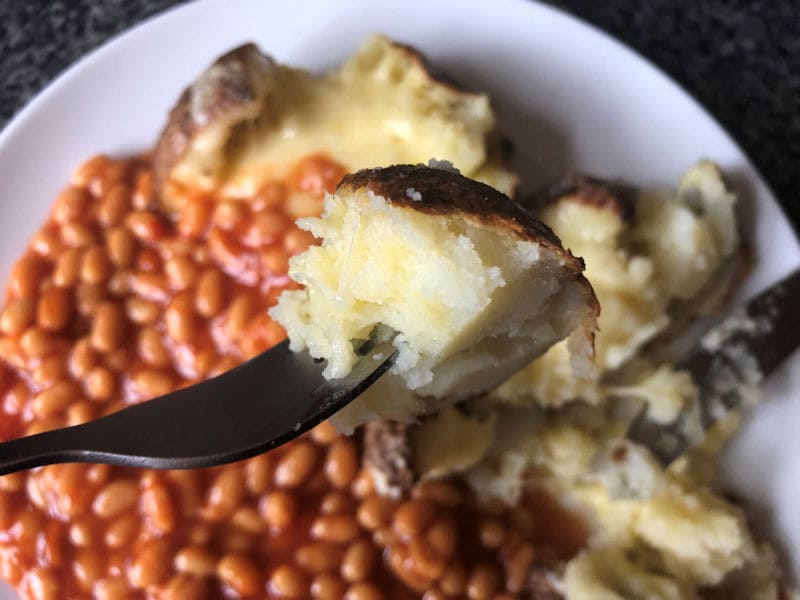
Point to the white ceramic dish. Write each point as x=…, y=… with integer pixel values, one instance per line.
x=571, y=97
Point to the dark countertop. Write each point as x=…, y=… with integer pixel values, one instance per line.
x=740, y=58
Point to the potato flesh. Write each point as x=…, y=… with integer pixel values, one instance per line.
x=471, y=305
x=671, y=251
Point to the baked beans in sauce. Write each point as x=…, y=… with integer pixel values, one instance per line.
x=116, y=301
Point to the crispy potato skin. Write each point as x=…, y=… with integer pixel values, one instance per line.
x=235, y=87
x=446, y=193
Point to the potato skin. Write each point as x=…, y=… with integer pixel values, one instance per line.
x=232, y=87
x=448, y=193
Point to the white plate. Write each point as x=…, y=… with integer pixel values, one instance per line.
x=571, y=97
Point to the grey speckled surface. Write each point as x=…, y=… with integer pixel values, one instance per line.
x=740, y=58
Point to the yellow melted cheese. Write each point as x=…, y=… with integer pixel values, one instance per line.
x=381, y=108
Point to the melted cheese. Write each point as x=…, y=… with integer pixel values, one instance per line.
x=381, y=108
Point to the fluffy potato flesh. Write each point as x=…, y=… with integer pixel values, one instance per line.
x=471, y=303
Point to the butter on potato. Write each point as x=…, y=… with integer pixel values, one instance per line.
x=475, y=286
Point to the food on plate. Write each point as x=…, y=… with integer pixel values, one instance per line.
x=248, y=119
x=474, y=286
x=654, y=257
x=158, y=271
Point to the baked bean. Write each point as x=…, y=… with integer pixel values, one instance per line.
x=26, y=275
x=363, y=485
x=271, y=195
x=363, y=591
x=235, y=541
x=341, y=464
x=152, y=563
x=41, y=584
x=247, y=519
x=226, y=491
x=88, y=298
x=148, y=260
x=439, y=491
x=78, y=235
x=426, y=560
x=151, y=347
x=109, y=327
x=265, y=227
x=98, y=473
x=412, y=517
x=142, y=312
x=210, y=295
x=196, y=560
x=159, y=508
x=336, y=502
x=12, y=482
x=185, y=587
x=150, y=286
x=229, y=214
x=301, y=205
x=119, y=360
x=324, y=433
x=80, y=412
x=434, y=595
x=375, y=512
x=70, y=204
x=334, y=528
x=258, y=473
x=492, y=533
x=88, y=566
x=442, y=536
x=240, y=573
x=54, y=399
x=95, y=266
x=152, y=382
x=143, y=189
x=482, y=582
x=90, y=170
x=145, y=225
x=112, y=588
x=44, y=424
x=319, y=557
x=401, y=565
x=317, y=174
x=82, y=358
x=327, y=587
x=100, y=383
x=278, y=509
x=296, y=241
x=195, y=217
x=275, y=260
x=358, y=561
x=296, y=465
x=82, y=533
x=47, y=243
x=68, y=268
x=114, y=206
x=180, y=319
x=17, y=316
x=121, y=247
x=288, y=582
x=37, y=343
x=121, y=531
x=181, y=272
x=50, y=370
x=115, y=497
x=454, y=580
x=54, y=309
